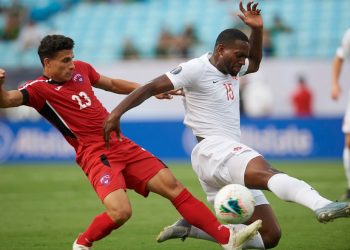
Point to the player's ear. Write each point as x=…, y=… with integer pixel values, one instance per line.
x=220, y=49
x=46, y=62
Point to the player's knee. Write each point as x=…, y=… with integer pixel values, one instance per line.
x=173, y=189
x=258, y=173
x=120, y=214
x=272, y=238
x=176, y=185
x=171, y=182
x=166, y=185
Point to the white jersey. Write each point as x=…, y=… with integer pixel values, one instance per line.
x=212, y=112
x=344, y=50
x=211, y=98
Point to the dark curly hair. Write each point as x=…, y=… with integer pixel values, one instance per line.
x=228, y=36
x=52, y=44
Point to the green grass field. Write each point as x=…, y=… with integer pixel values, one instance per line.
x=46, y=207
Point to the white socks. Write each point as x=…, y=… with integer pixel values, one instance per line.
x=346, y=162
x=255, y=243
x=291, y=189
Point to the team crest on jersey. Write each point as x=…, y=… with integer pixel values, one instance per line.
x=105, y=180
x=176, y=71
x=78, y=78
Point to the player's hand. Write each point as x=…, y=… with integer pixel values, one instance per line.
x=111, y=124
x=2, y=76
x=335, y=91
x=251, y=16
x=170, y=94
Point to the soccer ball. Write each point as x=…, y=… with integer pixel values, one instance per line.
x=234, y=204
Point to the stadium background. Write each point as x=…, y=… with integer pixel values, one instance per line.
x=45, y=200
x=303, y=47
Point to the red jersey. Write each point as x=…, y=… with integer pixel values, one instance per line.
x=74, y=110
x=71, y=107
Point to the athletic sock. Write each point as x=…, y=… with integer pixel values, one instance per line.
x=197, y=214
x=346, y=162
x=291, y=189
x=254, y=243
x=100, y=227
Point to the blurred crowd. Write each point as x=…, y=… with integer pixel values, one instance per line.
x=22, y=25
x=169, y=45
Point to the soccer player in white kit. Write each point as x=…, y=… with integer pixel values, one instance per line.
x=343, y=52
x=210, y=85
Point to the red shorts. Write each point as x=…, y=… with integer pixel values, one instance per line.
x=124, y=165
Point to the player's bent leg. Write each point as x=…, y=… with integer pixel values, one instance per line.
x=270, y=231
x=118, y=212
x=118, y=206
x=165, y=184
x=181, y=229
x=260, y=175
x=193, y=210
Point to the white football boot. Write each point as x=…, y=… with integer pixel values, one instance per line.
x=239, y=237
x=77, y=246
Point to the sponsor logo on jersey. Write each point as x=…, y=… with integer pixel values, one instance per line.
x=176, y=71
x=105, y=179
x=58, y=88
x=78, y=78
x=236, y=149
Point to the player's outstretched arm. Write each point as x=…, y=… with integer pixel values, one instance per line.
x=251, y=17
x=8, y=99
x=118, y=86
x=336, y=71
x=157, y=86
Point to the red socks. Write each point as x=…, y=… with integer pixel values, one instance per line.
x=99, y=228
x=198, y=215
x=191, y=209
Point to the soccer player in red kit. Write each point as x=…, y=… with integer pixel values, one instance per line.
x=64, y=96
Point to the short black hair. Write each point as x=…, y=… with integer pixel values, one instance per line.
x=226, y=37
x=51, y=44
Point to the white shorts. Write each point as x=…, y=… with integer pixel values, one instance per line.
x=346, y=121
x=219, y=161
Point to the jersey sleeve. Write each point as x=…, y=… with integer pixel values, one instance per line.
x=185, y=74
x=91, y=72
x=31, y=96
x=93, y=75
x=344, y=50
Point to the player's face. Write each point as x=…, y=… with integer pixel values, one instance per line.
x=233, y=57
x=61, y=67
